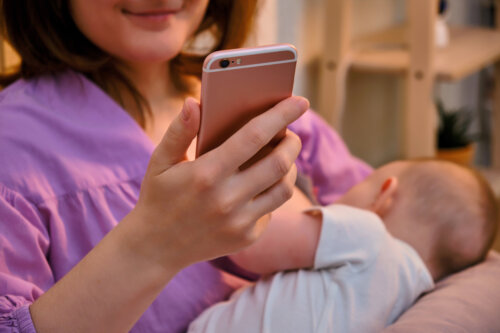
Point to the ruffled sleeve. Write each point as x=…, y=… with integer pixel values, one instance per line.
x=24, y=270
x=325, y=159
x=15, y=315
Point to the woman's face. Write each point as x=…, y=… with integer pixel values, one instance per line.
x=139, y=30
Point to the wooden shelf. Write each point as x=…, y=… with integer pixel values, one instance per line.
x=470, y=50
x=399, y=50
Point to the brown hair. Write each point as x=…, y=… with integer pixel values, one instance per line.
x=464, y=207
x=48, y=41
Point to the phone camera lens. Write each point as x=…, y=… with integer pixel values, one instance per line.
x=224, y=63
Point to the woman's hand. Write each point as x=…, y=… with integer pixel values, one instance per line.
x=187, y=212
x=190, y=211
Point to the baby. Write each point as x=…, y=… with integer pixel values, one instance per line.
x=365, y=259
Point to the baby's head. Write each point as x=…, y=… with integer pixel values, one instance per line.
x=447, y=212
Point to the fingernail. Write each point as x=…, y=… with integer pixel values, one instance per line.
x=186, y=111
x=303, y=103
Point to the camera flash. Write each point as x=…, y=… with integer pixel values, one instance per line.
x=238, y=61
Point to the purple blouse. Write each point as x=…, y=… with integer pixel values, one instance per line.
x=72, y=161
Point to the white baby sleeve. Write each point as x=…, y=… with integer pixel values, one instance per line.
x=350, y=237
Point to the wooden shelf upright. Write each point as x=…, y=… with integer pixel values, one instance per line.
x=408, y=50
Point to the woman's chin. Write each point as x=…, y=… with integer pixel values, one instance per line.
x=151, y=56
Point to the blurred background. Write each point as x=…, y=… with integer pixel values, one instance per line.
x=375, y=100
x=399, y=78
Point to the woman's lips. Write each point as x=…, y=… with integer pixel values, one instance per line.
x=151, y=19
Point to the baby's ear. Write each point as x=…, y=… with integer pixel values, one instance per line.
x=385, y=197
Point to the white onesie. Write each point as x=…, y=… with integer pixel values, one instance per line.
x=363, y=279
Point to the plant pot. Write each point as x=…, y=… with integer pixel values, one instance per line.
x=462, y=155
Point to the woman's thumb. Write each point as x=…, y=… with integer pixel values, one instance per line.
x=176, y=141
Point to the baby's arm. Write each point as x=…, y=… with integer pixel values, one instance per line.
x=289, y=242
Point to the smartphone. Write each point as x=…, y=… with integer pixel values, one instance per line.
x=238, y=85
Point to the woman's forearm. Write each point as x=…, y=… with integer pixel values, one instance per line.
x=106, y=292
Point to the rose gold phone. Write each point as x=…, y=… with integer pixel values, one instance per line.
x=238, y=85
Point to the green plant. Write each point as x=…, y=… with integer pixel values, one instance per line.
x=454, y=127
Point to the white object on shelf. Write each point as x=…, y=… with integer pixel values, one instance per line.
x=442, y=37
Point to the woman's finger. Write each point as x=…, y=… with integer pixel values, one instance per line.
x=175, y=143
x=268, y=171
x=258, y=132
x=274, y=197
x=254, y=230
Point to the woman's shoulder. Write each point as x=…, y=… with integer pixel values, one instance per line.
x=21, y=118
x=26, y=101
x=60, y=133
x=41, y=88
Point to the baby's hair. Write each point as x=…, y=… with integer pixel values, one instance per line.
x=462, y=202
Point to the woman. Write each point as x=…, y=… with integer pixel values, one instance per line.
x=105, y=226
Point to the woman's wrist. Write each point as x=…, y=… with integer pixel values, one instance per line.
x=140, y=238
x=134, y=242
